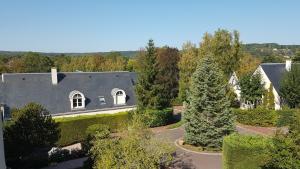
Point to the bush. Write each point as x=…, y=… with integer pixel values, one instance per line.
x=286, y=116
x=155, y=118
x=245, y=152
x=73, y=129
x=257, y=117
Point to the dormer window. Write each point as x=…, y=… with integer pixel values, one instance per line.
x=119, y=96
x=77, y=100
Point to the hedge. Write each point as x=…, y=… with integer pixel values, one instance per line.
x=155, y=118
x=245, y=152
x=265, y=117
x=256, y=117
x=73, y=129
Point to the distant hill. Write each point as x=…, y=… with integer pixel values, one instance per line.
x=256, y=49
x=271, y=49
x=18, y=53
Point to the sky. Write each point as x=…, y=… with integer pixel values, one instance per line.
x=114, y=25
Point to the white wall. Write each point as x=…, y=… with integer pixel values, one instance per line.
x=267, y=83
x=2, y=159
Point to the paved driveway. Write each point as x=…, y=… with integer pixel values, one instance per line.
x=189, y=160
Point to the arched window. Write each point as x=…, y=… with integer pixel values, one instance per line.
x=119, y=96
x=119, y=93
x=77, y=100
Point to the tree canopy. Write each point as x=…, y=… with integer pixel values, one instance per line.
x=32, y=129
x=252, y=89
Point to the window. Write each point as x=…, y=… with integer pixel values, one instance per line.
x=119, y=96
x=102, y=100
x=77, y=100
x=119, y=93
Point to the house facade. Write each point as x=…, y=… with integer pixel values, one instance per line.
x=271, y=74
x=69, y=93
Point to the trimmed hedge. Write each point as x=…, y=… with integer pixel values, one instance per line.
x=265, y=117
x=155, y=118
x=245, y=152
x=73, y=129
x=256, y=117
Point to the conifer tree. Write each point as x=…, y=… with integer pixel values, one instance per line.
x=146, y=88
x=208, y=116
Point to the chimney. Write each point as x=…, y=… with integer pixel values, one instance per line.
x=288, y=64
x=54, y=76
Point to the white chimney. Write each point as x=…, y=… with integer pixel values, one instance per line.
x=54, y=75
x=288, y=64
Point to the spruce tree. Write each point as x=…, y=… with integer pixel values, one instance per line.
x=146, y=88
x=208, y=117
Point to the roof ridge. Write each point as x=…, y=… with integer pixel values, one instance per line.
x=67, y=73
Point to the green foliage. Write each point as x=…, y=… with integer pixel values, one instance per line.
x=286, y=116
x=290, y=88
x=187, y=65
x=224, y=47
x=146, y=88
x=257, y=117
x=208, y=117
x=168, y=74
x=286, y=147
x=34, y=62
x=32, y=132
x=268, y=99
x=157, y=77
x=248, y=64
x=252, y=89
x=136, y=149
x=154, y=118
x=73, y=128
x=273, y=59
x=245, y=152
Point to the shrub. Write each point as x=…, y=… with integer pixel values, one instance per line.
x=256, y=117
x=155, y=118
x=245, y=152
x=73, y=129
x=286, y=116
x=100, y=131
x=29, y=136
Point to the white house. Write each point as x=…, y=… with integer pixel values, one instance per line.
x=271, y=73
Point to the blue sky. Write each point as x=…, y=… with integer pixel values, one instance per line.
x=106, y=25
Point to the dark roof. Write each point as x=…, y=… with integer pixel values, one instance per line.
x=275, y=72
x=18, y=89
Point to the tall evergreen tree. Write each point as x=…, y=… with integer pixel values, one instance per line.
x=208, y=116
x=146, y=88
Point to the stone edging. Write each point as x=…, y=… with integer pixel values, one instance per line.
x=202, y=153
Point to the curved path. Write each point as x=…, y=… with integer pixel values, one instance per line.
x=188, y=159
